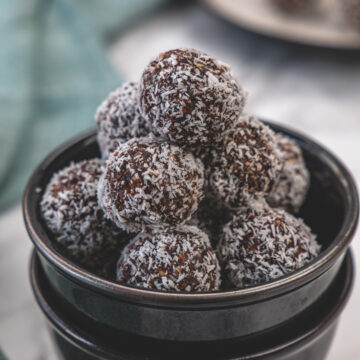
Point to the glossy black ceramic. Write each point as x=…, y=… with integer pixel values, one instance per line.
x=331, y=209
x=306, y=336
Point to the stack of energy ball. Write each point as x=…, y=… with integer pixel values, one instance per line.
x=187, y=188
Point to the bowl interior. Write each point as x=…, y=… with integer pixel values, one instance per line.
x=331, y=207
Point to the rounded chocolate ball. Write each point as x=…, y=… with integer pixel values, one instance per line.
x=261, y=244
x=119, y=119
x=150, y=184
x=70, y=210
x=351, y=12
x=179, y=259
x=290, y=189
x=210, y=217
x=246, y=164
x=189, y=97
x=291, y=6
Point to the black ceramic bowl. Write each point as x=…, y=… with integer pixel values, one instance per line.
x=306, y=336
x=331, y=210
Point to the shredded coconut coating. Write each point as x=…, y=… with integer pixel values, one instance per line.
x=119, y=119
x=150, y=184
x=210, y=217
x=179, y=259
x=290, y=189
x=291, y=5
x=351, y=12
x=70, y=210
x=246, y=165
x=261, y=245
x=189, y=97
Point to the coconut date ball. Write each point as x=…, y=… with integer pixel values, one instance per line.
x=290, y=189
x=291, y=6
x=150, y=184
x=263, y=244
x=178, y=259
x=118, y=119
x=351, y=12
x=246, y=165
x=189, y=97
x=70, y=210
x=210, y=217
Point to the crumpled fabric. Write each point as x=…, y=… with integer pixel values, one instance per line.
x=54, y=72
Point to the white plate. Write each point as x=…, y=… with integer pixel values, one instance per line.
x=323, y=27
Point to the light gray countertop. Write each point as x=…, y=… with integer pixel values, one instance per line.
x=314, y=91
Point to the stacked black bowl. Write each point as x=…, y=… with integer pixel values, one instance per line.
x=293, y=317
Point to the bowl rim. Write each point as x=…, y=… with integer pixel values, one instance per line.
x=269, y=289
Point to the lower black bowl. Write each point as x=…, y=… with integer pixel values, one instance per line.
x=307, y=336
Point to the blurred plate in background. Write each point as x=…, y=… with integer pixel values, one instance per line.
x=321, y=27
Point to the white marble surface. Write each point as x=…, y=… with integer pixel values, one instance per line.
x=317, y=92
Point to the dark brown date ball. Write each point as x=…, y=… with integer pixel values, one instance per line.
x=70, y=210
x=118, y=119
x=351, y=12
x=261, y=244
x=291, y=6
x=291, y=186
x=150, y=184
x=180, y=259
x=247, y=164
x=189, y=97
x=210, y=217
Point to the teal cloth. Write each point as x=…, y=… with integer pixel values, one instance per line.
x=2, y=356
x=54, y=72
